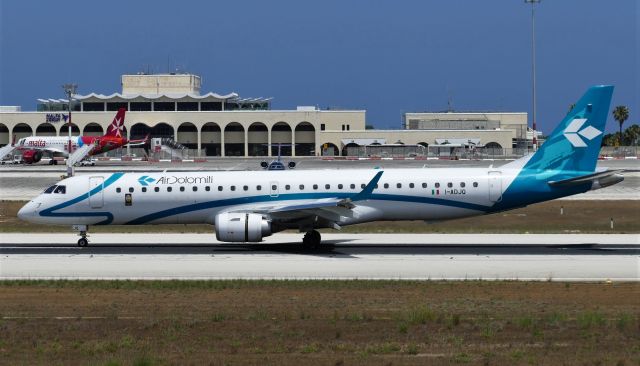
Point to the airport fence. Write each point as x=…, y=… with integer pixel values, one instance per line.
x=379, y=152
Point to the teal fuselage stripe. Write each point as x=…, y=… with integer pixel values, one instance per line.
x=299, y=196
x=49, y=212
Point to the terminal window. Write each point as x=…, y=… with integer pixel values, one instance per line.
x=164, y=106
x=210, y=106
x=114, y=106
x=140, y=106
x=187, y=106
x=93, y=107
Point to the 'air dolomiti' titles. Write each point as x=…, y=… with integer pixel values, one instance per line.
x=185, y=180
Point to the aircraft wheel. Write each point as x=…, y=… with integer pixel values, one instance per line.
x=51, y=162
x=312, y=239
x=83, y=242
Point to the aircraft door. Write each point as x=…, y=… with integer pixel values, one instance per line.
x=273, y=189
x=96, y=200
x=495, y=186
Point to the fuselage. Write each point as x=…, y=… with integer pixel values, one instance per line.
x=60, y=144
x=197, y=197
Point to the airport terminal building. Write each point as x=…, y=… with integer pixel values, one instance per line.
x=211, y=124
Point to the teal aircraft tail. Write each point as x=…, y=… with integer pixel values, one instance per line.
x=565, y=164
x=575, y=143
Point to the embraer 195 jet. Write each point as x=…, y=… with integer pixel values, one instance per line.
x=250, y=205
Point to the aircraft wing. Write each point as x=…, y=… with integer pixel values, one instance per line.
x=601, y=179
x=330, y=209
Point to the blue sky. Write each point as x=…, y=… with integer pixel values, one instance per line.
x=387, y=57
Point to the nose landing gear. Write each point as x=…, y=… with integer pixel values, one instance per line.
x=82, y=232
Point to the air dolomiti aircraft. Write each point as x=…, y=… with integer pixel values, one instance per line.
x=34, y=147
x=250, y=205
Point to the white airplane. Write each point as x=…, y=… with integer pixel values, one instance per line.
x=250, y=205
x=34, y=147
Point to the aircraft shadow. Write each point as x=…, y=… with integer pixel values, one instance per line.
x=337, y=249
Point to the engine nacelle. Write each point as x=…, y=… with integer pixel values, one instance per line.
x=31, y=156
x=241, y=227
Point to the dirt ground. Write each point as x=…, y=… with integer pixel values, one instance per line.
x=588, y=216
x=319, y=323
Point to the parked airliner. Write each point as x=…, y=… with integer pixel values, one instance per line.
x=250, y=205
x=34, y=147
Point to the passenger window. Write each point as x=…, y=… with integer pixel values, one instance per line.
x=220, y=188
x=386, y=185
x=352, y=186
x=437, y=185
x=233, y=188
x=315, y=186
x=61, y=190
x=462, y=184
x=475, y=184
x=50, y=189
x=399, y=185
x=327, y=186
x=118, y=190
x=258, y=187
x=449, y=184
x=144, y=189
x=424, y=185
x=195, y=188
x=274, y=187
x=130, y=189
x=168, y=189
x=364, y=185
x=157, y=189
x=181, y=189
x=301, y=187
x=339, y=186
x=246, y=188
x=287, y=187
x=411, y=185
x=207, y=188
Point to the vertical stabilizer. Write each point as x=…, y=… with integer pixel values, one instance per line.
x=116, y=127
x=575, y=143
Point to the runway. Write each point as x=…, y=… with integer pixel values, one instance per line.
x=571, y=257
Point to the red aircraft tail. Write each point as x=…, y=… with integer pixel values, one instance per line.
x=116, y=127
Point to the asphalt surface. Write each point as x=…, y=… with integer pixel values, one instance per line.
x=344, y=256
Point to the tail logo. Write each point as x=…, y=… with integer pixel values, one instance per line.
x=574, y=131
x=145, y=180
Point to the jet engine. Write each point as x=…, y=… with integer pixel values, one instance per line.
x=241, y=227
x=31, y=156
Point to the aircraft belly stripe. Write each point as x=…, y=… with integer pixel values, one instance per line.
x=299, y=196
x=109, y=216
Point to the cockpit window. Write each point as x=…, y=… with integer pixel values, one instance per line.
x=61, y=190
x=50, y=189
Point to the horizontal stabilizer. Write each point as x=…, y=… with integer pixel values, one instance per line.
x=599, y=179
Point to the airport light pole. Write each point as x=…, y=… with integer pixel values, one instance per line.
x=70, y=91
x=533, y=68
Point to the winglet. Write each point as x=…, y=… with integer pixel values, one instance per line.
x=366, y=192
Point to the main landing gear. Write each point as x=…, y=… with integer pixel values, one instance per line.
x=82, y=232
x=312, y=240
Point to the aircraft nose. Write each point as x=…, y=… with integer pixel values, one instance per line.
x=27, y=211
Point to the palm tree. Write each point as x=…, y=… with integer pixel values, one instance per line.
x=621, y=114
